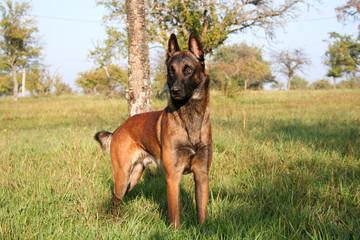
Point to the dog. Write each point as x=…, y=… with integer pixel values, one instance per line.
x=177, y=138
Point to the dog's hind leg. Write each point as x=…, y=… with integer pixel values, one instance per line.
x=127, y=168
x=121, y=181
x=136, y=173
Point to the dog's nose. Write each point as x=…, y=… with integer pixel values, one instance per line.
x=175, y=90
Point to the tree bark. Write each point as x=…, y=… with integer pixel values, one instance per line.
x=16, y=86
x=288, y=84
x=23, y=80
x=334, y=78
x=139, y=91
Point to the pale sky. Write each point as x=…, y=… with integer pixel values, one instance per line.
x=68, y=29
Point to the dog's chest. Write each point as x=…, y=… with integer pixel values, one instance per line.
x=192, y=121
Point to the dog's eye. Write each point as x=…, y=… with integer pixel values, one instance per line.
x=188, y=70
x=171, y=71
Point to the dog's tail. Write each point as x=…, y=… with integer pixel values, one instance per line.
x=104, y=138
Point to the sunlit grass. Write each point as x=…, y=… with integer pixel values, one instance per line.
x=286, y=166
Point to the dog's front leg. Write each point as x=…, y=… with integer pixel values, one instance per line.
x=200, y=168
x=201, y=194
x=173, y=195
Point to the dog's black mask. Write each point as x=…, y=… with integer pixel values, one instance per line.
x=185, y=68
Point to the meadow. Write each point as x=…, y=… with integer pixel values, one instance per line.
x=286, y=165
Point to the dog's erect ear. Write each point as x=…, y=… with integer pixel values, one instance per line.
x=173, y=46
x=195, y=47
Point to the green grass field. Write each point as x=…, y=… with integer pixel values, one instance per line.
x=286, y=165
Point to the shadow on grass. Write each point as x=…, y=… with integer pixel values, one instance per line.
x=295, y=203
x=152, y=186
x=298, y=203
x=342, y=137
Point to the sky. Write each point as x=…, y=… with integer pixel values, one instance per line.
x=68, y=29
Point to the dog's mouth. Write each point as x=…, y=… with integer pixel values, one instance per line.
x=180, y=96
x=176, y=96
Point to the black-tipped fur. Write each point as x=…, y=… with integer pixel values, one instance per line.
x=104, y=138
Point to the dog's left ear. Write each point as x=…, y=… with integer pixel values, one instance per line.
x=195, y=47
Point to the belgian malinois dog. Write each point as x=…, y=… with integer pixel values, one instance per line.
x=177, y=138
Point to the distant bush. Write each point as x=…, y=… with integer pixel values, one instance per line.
x=353, y=83
x=321, y=84
x=298, y=83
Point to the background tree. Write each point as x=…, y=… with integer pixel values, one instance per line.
x=238, y=65
x=298, y=83
x=322, y=84
x=289, y=62
x=41, y=82
x=159, y=72
x=6, y=85
x=96, y=80
x=106, y=52
x=139, y=91
x=213, y=21
x=342, y=56
x=18, y=44
x=61, y=88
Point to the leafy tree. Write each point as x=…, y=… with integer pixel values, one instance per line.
x=342, y=56
x=238, y=65
x=96, y=80
x=320, y=85
x=212, y=21
x=106, y=52
x=159, y=72
x=289, y=62
x=6, y=86
x=298, y=83
x=18, y=44
x=41, y=81
x=61, y=88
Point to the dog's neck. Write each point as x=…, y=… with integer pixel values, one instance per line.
x=193, y=112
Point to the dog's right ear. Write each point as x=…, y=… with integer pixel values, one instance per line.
x=173, y=46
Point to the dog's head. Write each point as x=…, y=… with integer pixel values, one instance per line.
x=185, y=68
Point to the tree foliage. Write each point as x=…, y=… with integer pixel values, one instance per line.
x=322, y=84
x=342, y=56
x=96, y=81
x=212, y=21
x=238, y=65
x=18, y=42
x=6, y=85
x=41, y=82
x=298, y=83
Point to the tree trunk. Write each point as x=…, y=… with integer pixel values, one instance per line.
x=245, y=87
x=107, y=73
x=334, y=78
x=23, y=80
x=110, y=91
x=16, y=86
x=288, y=84
x=139, y=91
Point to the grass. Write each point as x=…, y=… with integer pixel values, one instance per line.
x=286, y=165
